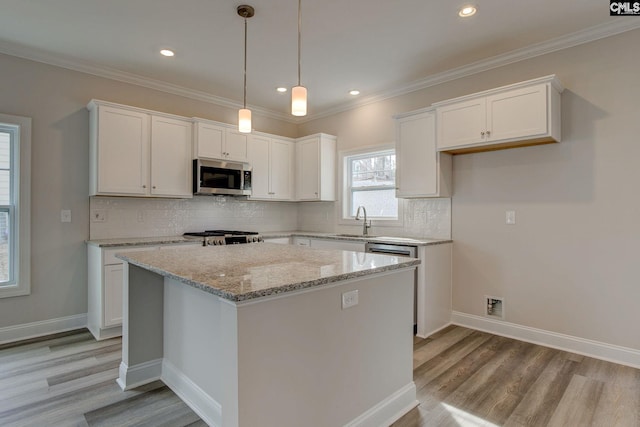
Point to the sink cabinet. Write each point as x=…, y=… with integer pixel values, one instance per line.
x=522, y=114
x=138, y=153
x=421, y=171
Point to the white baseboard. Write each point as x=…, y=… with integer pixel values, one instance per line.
x=137, y=375
x=42, y=328
x=609, y=352
x=389, y=410
x=202, y=404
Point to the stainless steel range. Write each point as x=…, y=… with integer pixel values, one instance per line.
x=224, y=237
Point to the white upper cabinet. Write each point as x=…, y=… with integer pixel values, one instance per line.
x=316, y=168
x=215, y=141
x=134, y=152
x=526, y=113
x=272, y=162
x=171, y=157
x=420, y=170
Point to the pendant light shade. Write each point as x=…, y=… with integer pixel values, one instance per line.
x=244, y=120
x=244, y=114
x=299, y=101
x=299, y=93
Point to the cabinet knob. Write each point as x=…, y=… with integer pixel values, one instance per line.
x=154, y=187
x=488, y=133
x=482, y=134
x=144, y=186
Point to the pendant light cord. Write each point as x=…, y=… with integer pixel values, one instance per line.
x=299, y=25
x=245, y=61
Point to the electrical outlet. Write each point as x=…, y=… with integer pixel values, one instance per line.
x=65, y=215
x=98, y=215
x=349, y=299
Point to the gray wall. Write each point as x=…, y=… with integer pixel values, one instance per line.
x=55, y=99
x=570, y=264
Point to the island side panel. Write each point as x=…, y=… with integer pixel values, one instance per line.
x=303, y=360
x=200, y=352
x=142, y=327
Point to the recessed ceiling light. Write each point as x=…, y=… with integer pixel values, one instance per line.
x=467, y=11
x=167, y=52
x=281, y=89
x=354, y=92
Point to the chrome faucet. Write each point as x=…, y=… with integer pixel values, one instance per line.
x=365, y=226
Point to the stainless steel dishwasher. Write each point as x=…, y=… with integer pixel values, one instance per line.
x=400, y=250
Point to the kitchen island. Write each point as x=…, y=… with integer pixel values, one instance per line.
x=272, y=335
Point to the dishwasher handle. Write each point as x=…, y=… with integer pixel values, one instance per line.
x=408, y=251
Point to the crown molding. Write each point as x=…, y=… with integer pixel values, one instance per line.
x=611, y=28
x=125, y=77
x=574, y=39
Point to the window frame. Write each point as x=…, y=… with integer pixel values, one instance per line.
x=20, y=207
x=345, y=199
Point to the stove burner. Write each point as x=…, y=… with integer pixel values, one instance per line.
x=225, y=237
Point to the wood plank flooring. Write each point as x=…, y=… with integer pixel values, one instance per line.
x=471, y=378
x=464, y=378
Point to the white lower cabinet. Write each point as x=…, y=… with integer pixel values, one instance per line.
x=343, y=245
x=105, y=284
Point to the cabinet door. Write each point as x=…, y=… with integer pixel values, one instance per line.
x=171, y=157
x=308, y=169
x=281, y=168
x=113, y=281
x=259, y=160
x=337, y=244
x=209, y=141
x=123, y=152
x=417, y=166
x=517, y=114
x=461, y=123
x=236, y=145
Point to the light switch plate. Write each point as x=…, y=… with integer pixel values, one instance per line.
x=511, y=217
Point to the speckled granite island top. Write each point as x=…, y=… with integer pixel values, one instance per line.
x=242, y=272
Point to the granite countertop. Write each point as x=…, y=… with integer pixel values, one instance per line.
x=414, y=241
x=164, y=240
x=243, y=272
x=139, y=241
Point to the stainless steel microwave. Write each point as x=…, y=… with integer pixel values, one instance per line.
x=221, y=177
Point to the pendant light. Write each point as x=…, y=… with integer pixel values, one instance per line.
x=299, y=93
x=244, y=114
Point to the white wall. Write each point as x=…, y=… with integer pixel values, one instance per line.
x=570, y=264
x=55, y=99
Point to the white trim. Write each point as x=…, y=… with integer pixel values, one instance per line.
x=599, y=350
x=435, y=331
x=597, y=32
x=42, y=328
x=21, y=227
x=202, y=404
x=389, y=410
x=137, y=375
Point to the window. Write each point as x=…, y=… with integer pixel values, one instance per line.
x=370, y=181
x=15, y=154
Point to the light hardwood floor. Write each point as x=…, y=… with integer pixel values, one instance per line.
x=464, y=378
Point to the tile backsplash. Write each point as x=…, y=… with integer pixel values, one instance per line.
x=130, y=217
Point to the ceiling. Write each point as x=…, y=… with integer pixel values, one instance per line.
x=379, y=47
